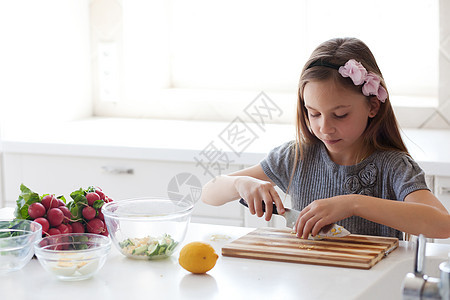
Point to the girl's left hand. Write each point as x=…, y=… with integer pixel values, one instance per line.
x=322, y=212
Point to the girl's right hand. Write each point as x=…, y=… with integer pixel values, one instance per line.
x=257, y=193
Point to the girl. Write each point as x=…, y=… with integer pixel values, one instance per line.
x=348, y=164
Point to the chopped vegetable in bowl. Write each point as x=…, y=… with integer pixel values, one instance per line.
x=148, y=247
x=73, y=256
x=147, y=228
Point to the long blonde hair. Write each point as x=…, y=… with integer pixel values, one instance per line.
x=381, y=133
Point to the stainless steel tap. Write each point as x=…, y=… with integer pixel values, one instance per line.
x=418, y=285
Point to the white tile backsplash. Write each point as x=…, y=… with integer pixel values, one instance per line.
x=413, y=117
x=437, y=121
x=441, y=119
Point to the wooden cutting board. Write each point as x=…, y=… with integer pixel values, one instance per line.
x=353, y=251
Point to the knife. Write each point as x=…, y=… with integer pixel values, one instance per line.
x=291, y=216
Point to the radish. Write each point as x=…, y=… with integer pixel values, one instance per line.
x=44, y=223
x=36, y=210
x=95, y=226
x=89, y=212
x=99, y=192
x=100, y=215
x=50, y=201
x=92, y=197
x=55, y=216
x=77, y=227
x=66, y=212
x=54, y=231
x=69, y=226
x=63, y=228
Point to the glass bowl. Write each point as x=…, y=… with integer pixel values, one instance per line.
x=73, y=256
x=147, y=228
x=16, y=243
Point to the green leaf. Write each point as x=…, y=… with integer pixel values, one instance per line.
x=25, y=190
x=90, y=189
x=79, y=202
x=62, y=198
x=73, y=210
x=77, y=193
x=80, y=246
x=24, y=212
x=79, y=198
x=98, y=204
x=26, y=198
x=76, y=213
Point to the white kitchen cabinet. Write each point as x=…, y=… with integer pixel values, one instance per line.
x=119, y=178
x=2, y=190
x=442, y=192
x=440, y=187
x=429, y=179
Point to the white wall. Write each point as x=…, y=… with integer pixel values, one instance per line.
x=441, y=118
x=45, y=61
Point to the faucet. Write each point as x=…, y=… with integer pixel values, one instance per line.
x=417, y=285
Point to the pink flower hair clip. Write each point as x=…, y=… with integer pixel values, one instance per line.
x=358, y=74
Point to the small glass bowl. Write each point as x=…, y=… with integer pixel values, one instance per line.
x=147, y=228
x=17, y=238
x=73, y=256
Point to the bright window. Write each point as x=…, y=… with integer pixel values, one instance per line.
x=207, y=59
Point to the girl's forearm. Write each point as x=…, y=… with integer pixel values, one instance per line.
x=413, y=218
x=220, y=190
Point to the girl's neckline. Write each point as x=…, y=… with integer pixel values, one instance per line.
x=331, y=163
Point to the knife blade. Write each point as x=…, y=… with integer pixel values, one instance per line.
x=291, y=216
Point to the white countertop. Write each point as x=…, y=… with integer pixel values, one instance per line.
x=164, y=140
x=231, y=278
x=172, y=140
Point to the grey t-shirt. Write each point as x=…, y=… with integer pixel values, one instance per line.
x=384, y=174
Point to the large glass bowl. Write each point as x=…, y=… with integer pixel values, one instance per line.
x=16, y=243
x=147, y=228
x=73, y=256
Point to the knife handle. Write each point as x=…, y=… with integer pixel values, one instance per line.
x=274, y=208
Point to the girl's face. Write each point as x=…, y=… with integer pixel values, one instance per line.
x=338, y=117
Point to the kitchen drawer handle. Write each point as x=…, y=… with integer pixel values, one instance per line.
x=118, y=170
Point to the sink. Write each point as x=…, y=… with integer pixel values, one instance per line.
x=389, y=286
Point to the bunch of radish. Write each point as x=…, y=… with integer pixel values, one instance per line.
x=82, y=214
x=52, y=214
x=86, y=210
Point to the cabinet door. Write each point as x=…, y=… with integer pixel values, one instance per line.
x=442, y=192
x=429, y=179
x=12, y=178
x=119, y=178
x=2, y=189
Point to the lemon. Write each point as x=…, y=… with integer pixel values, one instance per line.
x=198, y=257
